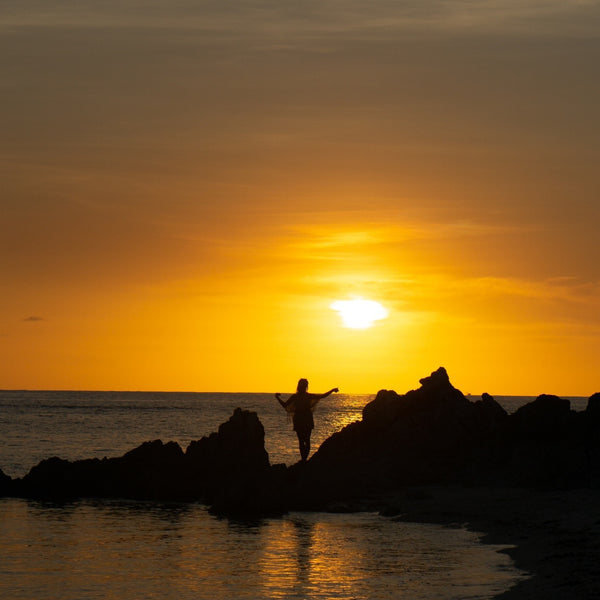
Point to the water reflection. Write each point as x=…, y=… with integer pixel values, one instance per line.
x=304, y=533
x=365, y=556
x=137, y=549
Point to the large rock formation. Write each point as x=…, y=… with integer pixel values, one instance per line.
x=431, y=435
x=229, y=469
x=435, y=435
x=427, y=435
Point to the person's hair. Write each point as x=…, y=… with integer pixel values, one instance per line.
x=302, y=385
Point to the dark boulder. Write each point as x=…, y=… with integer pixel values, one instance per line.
x=545, y=446
x=152, y=471
x=56, y=478
x=236, y=450
x=230, y=469
x=436, y=396
x=593, y=407
x=6, y=484
x=547, y=418
x=383, y=410
x=239, y=445
x=490, y=412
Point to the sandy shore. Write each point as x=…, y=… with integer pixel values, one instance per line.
x=553, y=536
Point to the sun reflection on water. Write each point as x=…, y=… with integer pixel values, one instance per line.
x=181, y=552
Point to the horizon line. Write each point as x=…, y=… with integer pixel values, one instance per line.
x=116, y=391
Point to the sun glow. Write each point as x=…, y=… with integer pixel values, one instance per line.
x=359, y=313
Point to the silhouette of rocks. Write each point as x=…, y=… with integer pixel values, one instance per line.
x=236, y=448
x=423, y=436
x=546, y=418
x=435, y=435
x=152, y=471
x=5, y=484
x=593, y=406
x=229, y=469
x=429, y=436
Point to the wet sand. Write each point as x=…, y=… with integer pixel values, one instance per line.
x=554, y=536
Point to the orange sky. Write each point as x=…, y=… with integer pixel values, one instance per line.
x=185, y=191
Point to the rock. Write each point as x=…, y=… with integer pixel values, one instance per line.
x=6, y=484
x=238, y=448
x=545, y=443
x=547, y=417
x=593, y=407
x=152, y=471
x=55, y=478
x=491, y=411
x=231, y=469
x=436, y=395
x=383, y=410
x=435, y=435
x=421, y=437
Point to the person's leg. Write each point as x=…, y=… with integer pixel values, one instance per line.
x=304, y=443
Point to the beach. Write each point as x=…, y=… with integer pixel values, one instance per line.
x=553, y=536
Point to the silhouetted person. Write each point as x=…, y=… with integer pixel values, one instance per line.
x=301, y=405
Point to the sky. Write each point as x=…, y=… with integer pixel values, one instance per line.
x=187, y=186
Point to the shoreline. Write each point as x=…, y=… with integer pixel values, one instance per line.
x=552, y=536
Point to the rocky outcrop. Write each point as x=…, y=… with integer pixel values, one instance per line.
x=431, y=435
x=6, y=484
x=435, y=435
x=593, y=408
x=426, y=435
x=229, y=469
x=152, y=471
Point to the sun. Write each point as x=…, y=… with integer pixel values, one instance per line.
x=359, y=313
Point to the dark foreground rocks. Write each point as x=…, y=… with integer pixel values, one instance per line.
x=433, y=435
x=228, y=469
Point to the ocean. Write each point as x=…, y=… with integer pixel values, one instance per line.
x=124, y=549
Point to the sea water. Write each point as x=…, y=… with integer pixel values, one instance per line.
x=123, y=549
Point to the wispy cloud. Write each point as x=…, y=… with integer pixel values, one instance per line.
x=291, y=21
x=33, y=319
x=565, y=289
x=370, y=234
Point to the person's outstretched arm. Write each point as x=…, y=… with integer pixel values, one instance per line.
x=284, y=403
x=278, y=396
x=331, y=391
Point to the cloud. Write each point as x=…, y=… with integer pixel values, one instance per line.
x=291, y=21
x=33, y=319
x=324, y=237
